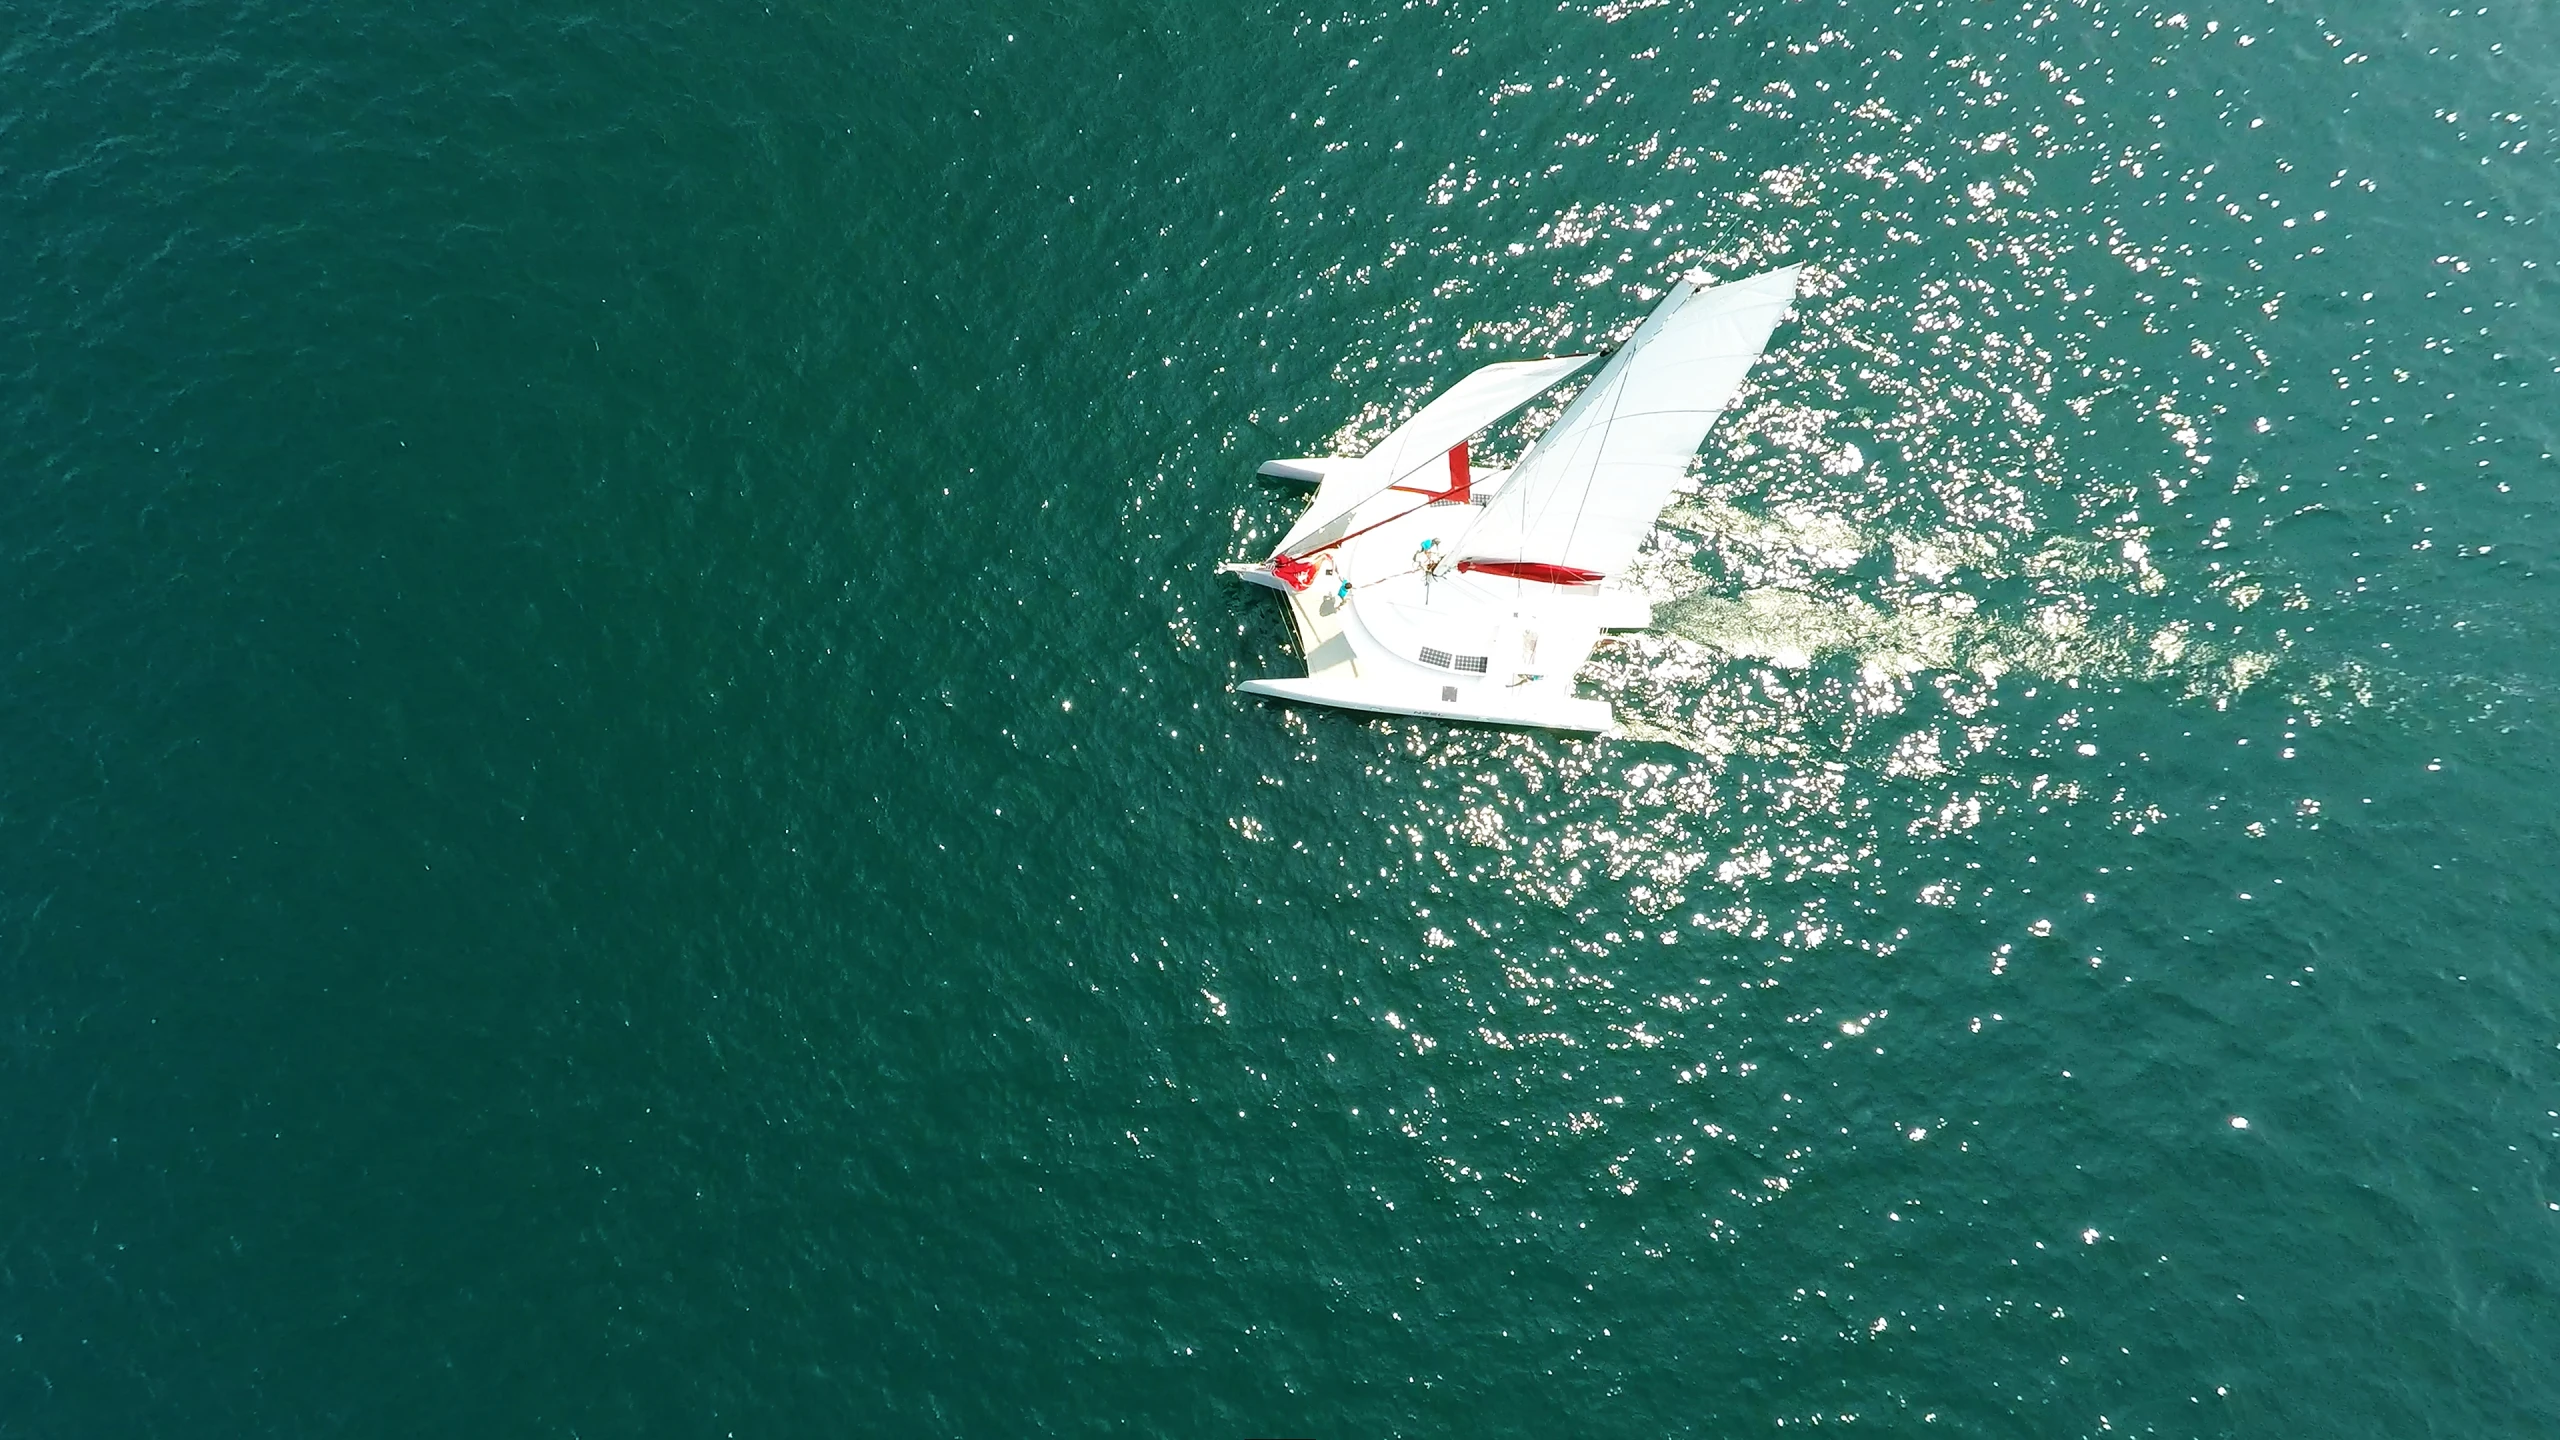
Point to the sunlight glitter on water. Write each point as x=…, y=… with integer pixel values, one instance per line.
x=1978, y=492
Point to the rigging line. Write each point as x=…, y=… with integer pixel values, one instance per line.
x=1399, y=476
x=1415, y=469
x=1632, y=345
x=1395, y=484
x=1675, y=410
x=1365, y=529
x=1519, y=468
x=1522, y=471
x=1615, y=401
x=1431, y=499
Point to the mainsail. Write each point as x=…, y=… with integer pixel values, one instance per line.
x=1586, y=494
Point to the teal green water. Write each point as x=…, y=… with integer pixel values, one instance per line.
x=621, y=811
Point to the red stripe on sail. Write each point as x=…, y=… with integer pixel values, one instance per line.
x=1538, y=570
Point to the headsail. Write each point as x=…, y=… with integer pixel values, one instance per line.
x=1416, y=445
x=1586, y=494
x=1465, y=408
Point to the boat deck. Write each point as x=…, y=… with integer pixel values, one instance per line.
x=1319, y=618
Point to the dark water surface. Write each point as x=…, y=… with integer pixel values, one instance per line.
x=620, y=810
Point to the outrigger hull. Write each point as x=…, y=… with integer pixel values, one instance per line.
x=1567, y=713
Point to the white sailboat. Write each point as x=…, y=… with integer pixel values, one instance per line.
x=1421, y=585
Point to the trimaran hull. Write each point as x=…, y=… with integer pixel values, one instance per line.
x=1419, y=585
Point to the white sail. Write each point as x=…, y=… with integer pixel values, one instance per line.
x=1586, y=494
x=1462, y=410
x=1410, y=454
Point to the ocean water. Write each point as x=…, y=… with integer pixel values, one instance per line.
x=621, y=810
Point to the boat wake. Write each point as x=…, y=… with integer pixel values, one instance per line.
x=1837, y=652
x=1794, y=628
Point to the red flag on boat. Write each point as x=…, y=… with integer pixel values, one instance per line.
x=1458, y=474
x=1293, y=572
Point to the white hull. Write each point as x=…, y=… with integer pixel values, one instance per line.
x=1420, y=585
x=1570, y=713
